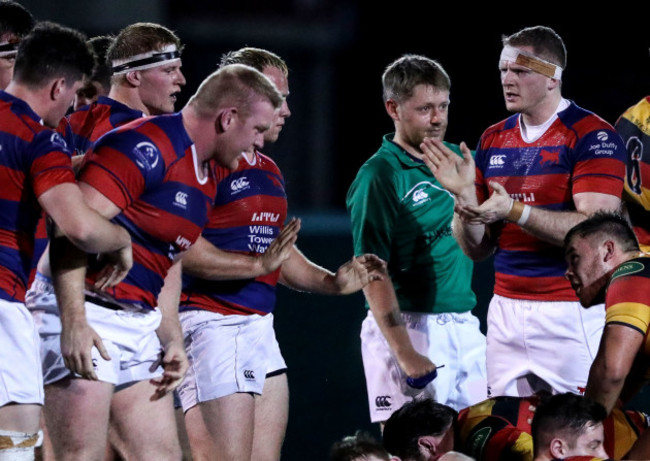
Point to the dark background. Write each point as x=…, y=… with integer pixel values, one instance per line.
x=337, y=51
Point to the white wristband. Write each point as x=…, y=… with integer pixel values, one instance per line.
x=524, y=215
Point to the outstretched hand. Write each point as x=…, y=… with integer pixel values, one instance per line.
x=454, y=173
x=280, y=249
x=493, y=209
x=358, y=272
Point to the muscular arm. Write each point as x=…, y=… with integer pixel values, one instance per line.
x=382, y=300
x=618, y=348
x=68, y=263
x=87, y=228
x=209, y=262
x=174, y=361
x=299, y=273
x=550, y=226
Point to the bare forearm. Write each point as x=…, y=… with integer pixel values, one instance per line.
x=209, y=262
x=301, y=274
x=385, y=309
x=552, y=226
x=603, y=387
x=168, y=300
x=68, y=265
x=473, y=239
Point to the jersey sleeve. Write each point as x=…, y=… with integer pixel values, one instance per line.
x=599, y=162
x=373, y=206
x=122, y=165
x=50, y=162
x=628, y=298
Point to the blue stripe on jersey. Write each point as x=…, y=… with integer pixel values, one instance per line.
x=18, y=216
x=237, y=185
x=9, y=257
x=249, y=238
x=174, y=199
x=530, y=264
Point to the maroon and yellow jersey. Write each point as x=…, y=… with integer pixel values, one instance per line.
x=634, y=128
x=628, y=297
x=497, y=429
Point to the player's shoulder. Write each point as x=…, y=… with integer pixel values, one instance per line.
x=583, y=121
x=634, y=267
x=639, y=112
x=267, y=163
x=494, y=130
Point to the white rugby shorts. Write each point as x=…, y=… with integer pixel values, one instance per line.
x=228, y=354
x=451, y=339
x=540, y=345
x=129, y=337
x=21, y=380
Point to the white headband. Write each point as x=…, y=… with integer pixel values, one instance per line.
x=517, y=56
x=146, y=60
x=8, y=50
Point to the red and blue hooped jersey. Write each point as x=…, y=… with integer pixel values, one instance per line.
x=249, y=212
x=82, y=128
x=33, y=159
x=148, y=168
x=578, y=153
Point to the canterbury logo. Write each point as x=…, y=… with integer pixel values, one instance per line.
x=420, y=195
x=382, y=401
x=497, y=160
x=239, y=184
x=248, y=374
x=181, y=198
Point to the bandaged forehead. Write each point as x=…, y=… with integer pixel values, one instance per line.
x=514, y=55
x=8, y=50
x=168, y=55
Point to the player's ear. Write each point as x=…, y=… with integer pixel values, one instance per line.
x=553, y=83
x=391, y=108
x=557, y=448
x=56, y=87
x=225, y=119
x=609, y=247
x=133, y=78
x=427, y=446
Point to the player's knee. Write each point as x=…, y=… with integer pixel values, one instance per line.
x=18, y=446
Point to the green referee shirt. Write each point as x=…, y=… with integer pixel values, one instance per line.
x=402, y=214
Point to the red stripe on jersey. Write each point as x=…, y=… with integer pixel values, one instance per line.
x=610, y=173
x=535, y=288
x=629, y=289
x=15, y=240
x=223, y=307
x=117, y=192
x=523, y=188
x=14, y=177
x=235, y=213
x=512, y=237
